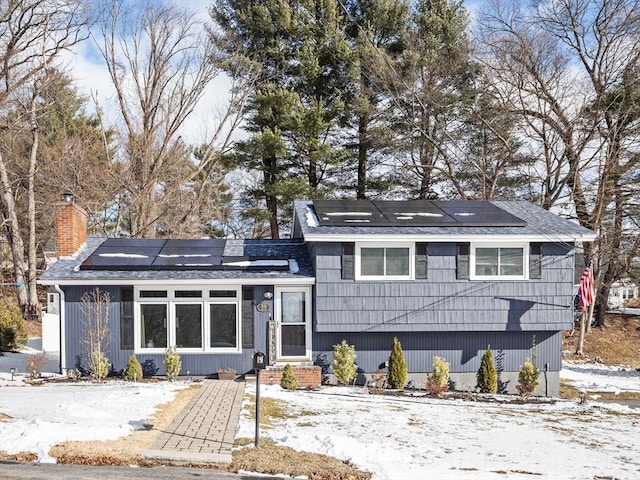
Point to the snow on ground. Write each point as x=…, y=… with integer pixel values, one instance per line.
x=392, y=437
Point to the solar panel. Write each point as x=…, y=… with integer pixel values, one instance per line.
x=416, y=213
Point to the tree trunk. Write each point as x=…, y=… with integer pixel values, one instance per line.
x=583, y=322
x=32, y=308
x=361, y=188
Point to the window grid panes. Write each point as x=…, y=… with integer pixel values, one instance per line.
x=153, y=325
x=494, y=261
x=223, y=323
x=189, y=325
x=385, y=261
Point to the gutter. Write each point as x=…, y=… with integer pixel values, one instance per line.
x=63, y=350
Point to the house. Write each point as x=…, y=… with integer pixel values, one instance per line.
x=622, y=291
x=448, y=278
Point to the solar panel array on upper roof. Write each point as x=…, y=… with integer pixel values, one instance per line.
x=416, y=213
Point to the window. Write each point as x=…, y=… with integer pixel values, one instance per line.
x=498, y=262
x=379, y=262
x=192, y=320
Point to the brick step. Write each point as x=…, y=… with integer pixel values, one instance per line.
x=307, y=376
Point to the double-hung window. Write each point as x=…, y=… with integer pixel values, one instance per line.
x=499, y=262
x=192, y=320
x=384, y=261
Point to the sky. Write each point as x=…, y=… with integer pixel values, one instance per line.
x=393, y=437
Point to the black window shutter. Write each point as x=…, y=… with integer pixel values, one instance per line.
x=422, y=267
x=462, y=264
x=535, y=261
x=247, y=317
x=126, y=318
x=348, y=261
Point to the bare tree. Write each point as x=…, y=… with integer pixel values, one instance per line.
x=569, y=69
x=95, y=306
x=160, y=61
x=32, y=35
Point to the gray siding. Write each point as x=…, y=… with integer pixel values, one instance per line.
x=442, y=303
x=462, y=350
x=195, y=363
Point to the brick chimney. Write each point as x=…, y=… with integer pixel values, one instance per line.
x=71, y=227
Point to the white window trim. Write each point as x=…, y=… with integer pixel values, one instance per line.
x=308, y=324
x=412, y=260
x=525, y=261
x=171, y=301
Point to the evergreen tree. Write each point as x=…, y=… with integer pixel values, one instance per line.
x=487, y=376
x=288, y=380
x=528, y=378
x=172, y=363
x=133, y=371
x=343, y=364
x=438, y=380
x=397, y=366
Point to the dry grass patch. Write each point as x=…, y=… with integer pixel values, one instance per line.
x=274, y=459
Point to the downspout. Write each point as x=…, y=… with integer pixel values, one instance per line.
x=63, y=343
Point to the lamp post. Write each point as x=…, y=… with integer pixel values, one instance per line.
x=259, y=364
x=13, y=372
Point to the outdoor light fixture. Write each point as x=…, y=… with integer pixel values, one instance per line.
x=268, y=295
x=13, y=371
x=67, y=197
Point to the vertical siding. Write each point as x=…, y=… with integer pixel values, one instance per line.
x=195, y=363
x=462, y=350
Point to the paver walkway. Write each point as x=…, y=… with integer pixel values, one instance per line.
x=204, y=431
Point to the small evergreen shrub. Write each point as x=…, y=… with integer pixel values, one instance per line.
x=13, y=334
x=133, y=371
x=397, y=366
x=528, y=378
x=288, y=380
x=438, y=381
x=487, y=376
x=343, y=365
x=172, y=364
x=99, y=365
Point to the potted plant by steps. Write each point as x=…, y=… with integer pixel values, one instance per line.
x=226, y=374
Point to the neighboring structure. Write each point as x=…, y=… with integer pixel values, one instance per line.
x=446, y=278
x=622, y=291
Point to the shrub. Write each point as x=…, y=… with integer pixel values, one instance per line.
x=288, y=380
x=343, y=365
x=172, y=364
x=133, y=371
x=397, y=366
x=528, y=378
x=487, y=376
x=438, y=381
x=99, y=365
x=35, y=363
x=13, y=334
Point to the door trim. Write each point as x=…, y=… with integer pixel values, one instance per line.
x=280, y=360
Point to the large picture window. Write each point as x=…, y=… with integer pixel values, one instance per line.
x=499, y=262
x=380, y=262
x=191, y=320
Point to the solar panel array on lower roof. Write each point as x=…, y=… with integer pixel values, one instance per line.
x=416, y=213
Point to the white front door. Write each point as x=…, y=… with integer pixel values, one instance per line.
x=293, y=324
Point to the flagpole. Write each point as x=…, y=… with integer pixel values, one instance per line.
x=583, y=318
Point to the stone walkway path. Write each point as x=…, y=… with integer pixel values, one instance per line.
x=204, y=431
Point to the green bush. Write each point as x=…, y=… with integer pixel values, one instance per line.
x=172, y=364
x=438, y=381
x=343, y=365
x=528, y=378
x=133, y=372
x=487, y=376
x=288, y=380
x=13, y=334
x=397, y=366
x=99, y=365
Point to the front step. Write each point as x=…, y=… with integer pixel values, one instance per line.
x=307, y=376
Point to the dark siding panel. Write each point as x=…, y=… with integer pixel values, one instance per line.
x=126, y=318
x=535, y=261
x=463, y=259
x=348, y=261
x=247, y=317
x=422, y=255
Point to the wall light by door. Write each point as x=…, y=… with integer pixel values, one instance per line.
x=268, y=295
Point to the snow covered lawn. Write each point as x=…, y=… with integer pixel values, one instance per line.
x=392, y=437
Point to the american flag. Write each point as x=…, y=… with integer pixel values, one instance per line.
x=586, y=287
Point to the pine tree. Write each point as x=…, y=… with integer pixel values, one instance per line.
x=133, y=371
x=397, y=366
x=343, y=365
x=172, y=364
x=288, y=380
x=487, y=376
